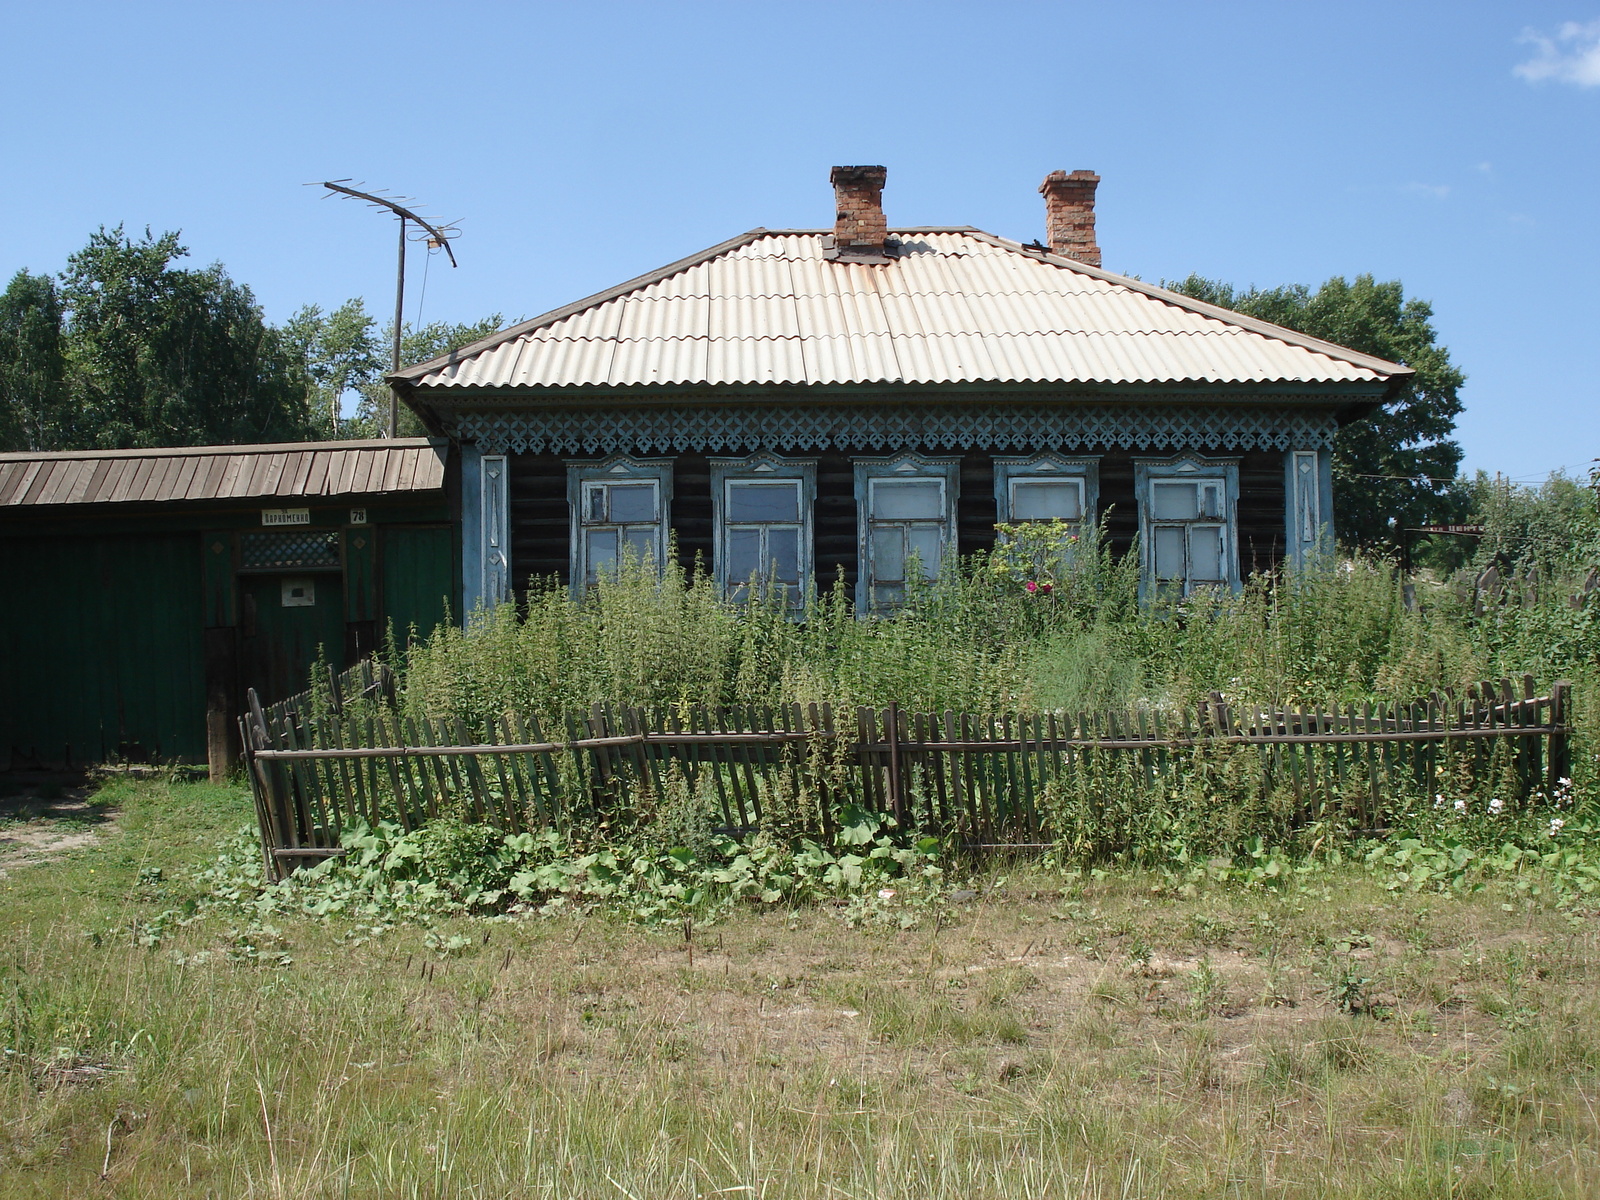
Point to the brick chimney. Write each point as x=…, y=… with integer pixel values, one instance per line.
x=1069, y=215
x=859, y=228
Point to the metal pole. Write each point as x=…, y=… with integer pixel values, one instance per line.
x=399, y=309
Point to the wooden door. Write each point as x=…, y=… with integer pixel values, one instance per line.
x=289, y=622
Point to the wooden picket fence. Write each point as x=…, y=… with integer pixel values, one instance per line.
x=328, y=759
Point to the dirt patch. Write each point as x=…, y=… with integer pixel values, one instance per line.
x=40, y=821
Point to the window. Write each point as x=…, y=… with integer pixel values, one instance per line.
x=906, y=508
x=1041, y=491
x=1186, y=523
x=619, y=513
x=1046, y=487
x=762, y=512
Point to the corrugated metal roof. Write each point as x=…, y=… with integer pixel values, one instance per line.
x=956, y=306
x=283, y=471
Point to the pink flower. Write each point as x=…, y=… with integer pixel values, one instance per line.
x=1030, y=587
x=1047, y=588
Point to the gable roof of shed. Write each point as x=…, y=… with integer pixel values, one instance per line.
x=277, y=470
x=957, y=306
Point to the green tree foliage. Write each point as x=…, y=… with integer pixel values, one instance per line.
x=416, y=345
x=161, y=356
x=34, y=412
x=127, y=349
x=1552, y=526
x=1396, y=468
x=341, y=353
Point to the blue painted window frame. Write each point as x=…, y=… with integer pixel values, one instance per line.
x=1047, y=465
x=762, y=468
x=583, y=476
x=1308, y=504
x=869, y=473
x=1224, y=472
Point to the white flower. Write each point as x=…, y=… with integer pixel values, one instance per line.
x=1438, y=801
x=1496, y=805
x=1556, y=825
x=885, y=893
x=1461, y=806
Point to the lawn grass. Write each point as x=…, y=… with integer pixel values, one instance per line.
x=1050, y=1036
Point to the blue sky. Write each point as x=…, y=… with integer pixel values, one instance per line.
x=1450, y=145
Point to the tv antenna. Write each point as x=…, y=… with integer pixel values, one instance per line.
x=436, y=236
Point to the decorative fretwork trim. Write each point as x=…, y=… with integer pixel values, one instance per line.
x=890, y=428
x=280, y=551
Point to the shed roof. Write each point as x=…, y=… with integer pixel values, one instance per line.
x=956, y=306
x=282, y=470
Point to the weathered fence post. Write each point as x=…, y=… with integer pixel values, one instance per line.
x=278, y=830
x=891, y=729
x=1558, y=761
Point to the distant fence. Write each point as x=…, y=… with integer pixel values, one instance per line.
x=327, y=759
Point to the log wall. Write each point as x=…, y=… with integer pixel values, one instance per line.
x=540, y=520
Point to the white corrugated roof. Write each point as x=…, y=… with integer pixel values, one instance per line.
x=956, y=306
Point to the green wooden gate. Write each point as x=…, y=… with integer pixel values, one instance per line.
x=418, y=574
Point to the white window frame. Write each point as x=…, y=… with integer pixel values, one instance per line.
x=1148, y=473
x=870, y=473
x=583, y=477
x=729, y=473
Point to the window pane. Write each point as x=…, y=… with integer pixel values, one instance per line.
x=1176, y=501
x=600, y=551
x=595, y=498
x=888, y=555
x=902, y=499
x=783, y=552
x=927, y=544
x=1169, y=552
x=1211, y=500
x=1205, y=554
x=1055, y=500
x=764, y=501
x=639, y=544
x=633, y=502
x=744, y=554
x=887, y=596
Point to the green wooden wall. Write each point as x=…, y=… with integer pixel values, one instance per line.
x=418, y=575
x=100, y=647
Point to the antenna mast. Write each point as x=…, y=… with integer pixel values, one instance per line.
x=437, y=236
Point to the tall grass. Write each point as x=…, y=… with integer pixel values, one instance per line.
x=978, y=640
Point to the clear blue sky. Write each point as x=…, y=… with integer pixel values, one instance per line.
x=581, y=144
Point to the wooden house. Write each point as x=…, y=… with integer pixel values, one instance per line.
x=854, y=400
x=145, y=590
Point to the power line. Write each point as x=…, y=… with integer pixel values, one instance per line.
x=1402, y=478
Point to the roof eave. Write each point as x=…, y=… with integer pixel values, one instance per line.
x=456, y=396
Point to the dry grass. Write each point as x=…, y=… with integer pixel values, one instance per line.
x=1044, y=1040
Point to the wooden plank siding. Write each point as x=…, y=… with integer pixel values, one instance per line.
x=540, y=522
